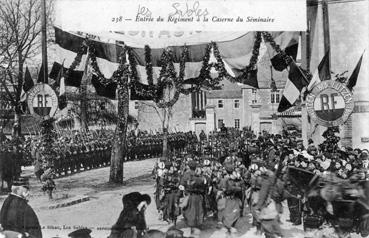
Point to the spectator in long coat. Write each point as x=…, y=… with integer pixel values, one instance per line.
x=269, y=222
x=16, y=215
x=131, y=222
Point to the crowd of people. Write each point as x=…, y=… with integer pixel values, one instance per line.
x=323, y=184
x=230, y=174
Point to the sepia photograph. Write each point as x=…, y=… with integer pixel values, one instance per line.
x=184, y=118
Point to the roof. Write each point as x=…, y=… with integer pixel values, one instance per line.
x=229, y=90
x=294, y=112
x=224, y=94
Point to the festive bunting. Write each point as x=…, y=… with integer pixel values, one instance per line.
x=108, y=91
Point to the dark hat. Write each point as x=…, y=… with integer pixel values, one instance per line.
x=192, y=164
x=80, y=233
x=131, y=199
x=21, y=182
x=146, y=198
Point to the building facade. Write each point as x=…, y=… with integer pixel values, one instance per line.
x=236, y=105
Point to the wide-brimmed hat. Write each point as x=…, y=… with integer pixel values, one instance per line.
x=80, y=233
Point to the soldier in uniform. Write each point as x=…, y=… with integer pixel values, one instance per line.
x=194, y=185
x=231, y=186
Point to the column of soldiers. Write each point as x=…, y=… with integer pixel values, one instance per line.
x=228, y=185
x=77, y=151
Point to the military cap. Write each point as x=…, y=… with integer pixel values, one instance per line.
x=80, y=233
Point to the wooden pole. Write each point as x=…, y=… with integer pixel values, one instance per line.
x=326, y=34
x=43, y=41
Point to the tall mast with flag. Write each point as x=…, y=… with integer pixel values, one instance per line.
x=44, y=43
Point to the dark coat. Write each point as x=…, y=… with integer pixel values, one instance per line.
x=17, y=215
x=128, y=218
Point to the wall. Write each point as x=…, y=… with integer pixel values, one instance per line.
x=228, y=113
x=148, y=119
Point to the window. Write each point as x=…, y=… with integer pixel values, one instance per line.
x=254, y=99
x=220, y=103
x=220, y=123
x=136, y=105
x=275, y=97
x=237, y=123
x=198, y=104
x=236, y=103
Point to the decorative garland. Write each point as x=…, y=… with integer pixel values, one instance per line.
x=149, y=70
x=77, y=60
x=269, y=38
x=168, y=76
x=47, y=140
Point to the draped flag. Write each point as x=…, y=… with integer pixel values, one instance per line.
x=295, y=83
x=235, y=50
x=279, y=63
x=74, y=77
x=108, y=91
x=353, y=78
x=321, y=73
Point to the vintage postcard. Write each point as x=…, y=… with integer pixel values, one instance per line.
x=184, y=118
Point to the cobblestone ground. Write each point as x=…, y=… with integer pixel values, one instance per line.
x=104, y=206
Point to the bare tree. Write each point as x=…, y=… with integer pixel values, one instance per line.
x=20, y=30
x=165, y=115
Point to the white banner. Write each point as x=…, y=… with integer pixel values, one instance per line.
x=181, y=15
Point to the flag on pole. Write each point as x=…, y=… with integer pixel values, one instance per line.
x=321, y=73
x=40, y=78
x=295, y=83
x=353, y=78
x=27, y=85
x=62, y=102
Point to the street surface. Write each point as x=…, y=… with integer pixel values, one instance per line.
x=105, y=205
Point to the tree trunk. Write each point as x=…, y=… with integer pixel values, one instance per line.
x=83, y=107
x=165, y=143
x=17, y=111
x=120, y=143
x=17, y=124
x=83, y=95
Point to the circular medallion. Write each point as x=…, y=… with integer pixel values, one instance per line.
x=330, y=103
x=42, y=101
